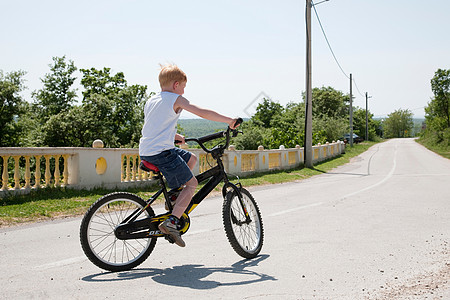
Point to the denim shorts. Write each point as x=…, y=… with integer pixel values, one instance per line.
x=173, y=165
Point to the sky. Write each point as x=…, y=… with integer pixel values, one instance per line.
x=236, y=52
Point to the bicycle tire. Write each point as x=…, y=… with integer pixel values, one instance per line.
x=97, y=237
x=245, y=238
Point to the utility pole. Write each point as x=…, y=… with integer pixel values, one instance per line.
x=351, y=112
x=308, y=119
x=367, y=118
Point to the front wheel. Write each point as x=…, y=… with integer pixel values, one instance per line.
x=243, y=223
x=97, y=235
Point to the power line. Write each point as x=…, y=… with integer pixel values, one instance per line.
x=353, y=79
x=331, y=49
x=326, y=39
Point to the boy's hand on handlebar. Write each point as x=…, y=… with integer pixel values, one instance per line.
x=179, y=139
x=235, y=123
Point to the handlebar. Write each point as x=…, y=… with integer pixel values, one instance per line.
x=220, y=134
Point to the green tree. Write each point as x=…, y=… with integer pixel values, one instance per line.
x=111, y=110
x=124, y=115
x=292, y=116
x=359, y=123
x=128, y=114
x=30, y=127
x=101, y=82
x=330, y=103
x=57, y=94
x=330, y=114
x=328, y=129
x=437, y=113
x=287, y=126
x=266, y=111
x=253, y=137
x=274, y=125
x=438, y=110
x=399, y=124
x=288, y=138
x=12, y=106
x=68, y=129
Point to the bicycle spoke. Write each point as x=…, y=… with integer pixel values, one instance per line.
x=108, y=246
x=101, y=236
x=245, y=222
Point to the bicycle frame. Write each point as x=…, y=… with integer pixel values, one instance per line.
x=148, y=227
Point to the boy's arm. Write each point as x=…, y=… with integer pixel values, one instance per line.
x=183, y=103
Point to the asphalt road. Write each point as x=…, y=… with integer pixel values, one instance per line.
x=376, y=228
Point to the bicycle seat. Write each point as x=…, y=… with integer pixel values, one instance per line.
x=147, y=167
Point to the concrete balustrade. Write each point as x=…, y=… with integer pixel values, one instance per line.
x=87, y=168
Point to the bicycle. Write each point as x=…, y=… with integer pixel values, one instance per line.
x=119, y=231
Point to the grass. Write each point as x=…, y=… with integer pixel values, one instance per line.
x=51, y=203
x=437, y=148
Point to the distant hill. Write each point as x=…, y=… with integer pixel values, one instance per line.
x=199, y=127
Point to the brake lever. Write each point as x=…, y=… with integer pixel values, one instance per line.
x=236, y=132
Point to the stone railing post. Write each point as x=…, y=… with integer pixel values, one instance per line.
x=57, y=173
x=27, y=172
x=37, y=174
x=16, y=172
x=66, y=169
x=5, y=176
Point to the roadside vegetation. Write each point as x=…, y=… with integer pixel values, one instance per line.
x=53, y=203
x=111, y=109
x=273, y=124
x=436, y=133
x=443, y=149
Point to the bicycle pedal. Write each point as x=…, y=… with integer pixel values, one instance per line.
x=169, y=239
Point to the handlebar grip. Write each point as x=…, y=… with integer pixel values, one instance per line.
x=239, y=121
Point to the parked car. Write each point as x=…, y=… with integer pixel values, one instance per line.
x=356, y=138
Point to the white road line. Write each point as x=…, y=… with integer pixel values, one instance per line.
x=201, y=231
x=388, y=176
x=60, y=263
x=294, y=209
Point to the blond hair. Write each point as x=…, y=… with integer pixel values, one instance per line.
x=171, y=73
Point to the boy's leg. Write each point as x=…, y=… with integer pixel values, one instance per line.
x=186, y=194
x=192, y=161
x=185, y=197
x=170, y=226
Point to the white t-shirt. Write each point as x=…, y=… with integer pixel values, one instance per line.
x=160, y=124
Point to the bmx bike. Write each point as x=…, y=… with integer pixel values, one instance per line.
x=119, y=231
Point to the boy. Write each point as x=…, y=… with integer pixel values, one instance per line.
x=161, y=113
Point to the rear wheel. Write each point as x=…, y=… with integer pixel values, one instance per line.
x=98, y=239
x=243, y=224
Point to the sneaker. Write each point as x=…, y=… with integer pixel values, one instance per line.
x=170, y=227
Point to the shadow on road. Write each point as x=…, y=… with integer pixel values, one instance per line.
x=191, y=276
